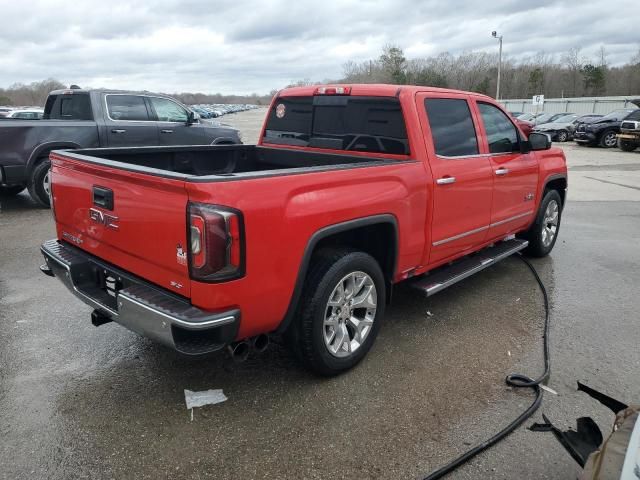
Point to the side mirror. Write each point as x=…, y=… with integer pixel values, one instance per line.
x=539, y=141
x=192, y=118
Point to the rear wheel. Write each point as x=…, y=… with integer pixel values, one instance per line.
x=542, y=235
x=342, y=306
x=626, y=145
x=39, y=184
x=11, y=191
x=608, y=139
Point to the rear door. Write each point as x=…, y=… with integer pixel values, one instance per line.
x=132, y=220
x=172, y=123
x=462, y=175
x=129, y=122
x=515, y=174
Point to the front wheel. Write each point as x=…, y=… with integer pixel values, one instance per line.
x=39, y=185
x=563, y=136
x=609, y=139
x=342, y=307
x=542, y=235
x=626, y=145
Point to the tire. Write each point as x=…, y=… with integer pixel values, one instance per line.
x=538, y=234
x=11, y=191
x=608, y=139
x=323, y=322
x=39, y=183
x=562, y=136
x=626, y=146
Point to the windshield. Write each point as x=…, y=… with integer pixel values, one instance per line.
x=544, y=118
x=616, y=115
x=565, y=119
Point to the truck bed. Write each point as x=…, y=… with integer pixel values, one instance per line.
x=221, y=162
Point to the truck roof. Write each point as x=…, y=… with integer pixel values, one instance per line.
x=68, y=91
x=373, y=89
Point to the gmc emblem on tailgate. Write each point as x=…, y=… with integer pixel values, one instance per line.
x=105, y=219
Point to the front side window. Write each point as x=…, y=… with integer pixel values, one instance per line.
x=127, y=107
x=501, y=133
x=168, y=111
x=452, y=127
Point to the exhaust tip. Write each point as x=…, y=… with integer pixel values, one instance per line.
x=239, y=351
x=260, y=342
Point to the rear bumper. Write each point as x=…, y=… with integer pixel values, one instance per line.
x=13, y=175
x=139, y=305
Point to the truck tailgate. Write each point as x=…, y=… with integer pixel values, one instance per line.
x=132, y=220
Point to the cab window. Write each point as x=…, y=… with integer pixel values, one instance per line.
x=502, y=135
x=452, y=127
x=127, y=107
x=168, y=111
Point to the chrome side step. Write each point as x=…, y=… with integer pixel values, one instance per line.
x=447, y=275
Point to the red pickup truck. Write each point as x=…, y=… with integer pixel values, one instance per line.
x=351, y=189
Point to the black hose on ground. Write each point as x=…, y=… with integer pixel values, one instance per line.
x=515, y=380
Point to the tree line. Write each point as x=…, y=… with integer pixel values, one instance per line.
x=35, y=94
x=568, y=75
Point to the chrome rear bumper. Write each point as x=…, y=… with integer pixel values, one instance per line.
x=139, y=305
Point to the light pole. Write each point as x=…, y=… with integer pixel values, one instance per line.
x=494, y=34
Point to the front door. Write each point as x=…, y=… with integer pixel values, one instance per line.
x=172, y=124
x=515, y=174
x=462, y=176
x=129, y=123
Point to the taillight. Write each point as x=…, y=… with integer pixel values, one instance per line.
x=332, y=91
x=216, y=243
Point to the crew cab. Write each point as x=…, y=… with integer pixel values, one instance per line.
x=350, y=190
x=77, y=118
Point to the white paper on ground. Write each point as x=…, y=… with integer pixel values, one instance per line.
x=206, y=397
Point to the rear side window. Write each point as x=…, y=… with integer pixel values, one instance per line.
x=353, y=123
x=127, y=107
x=501, y=133
x=451, y=127
x=68, y=107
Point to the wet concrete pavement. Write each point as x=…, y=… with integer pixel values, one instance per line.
x=83, y=402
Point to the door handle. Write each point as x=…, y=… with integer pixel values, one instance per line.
x=166, y=131
x=446, y=180
x=117, y=130
x=502, y=171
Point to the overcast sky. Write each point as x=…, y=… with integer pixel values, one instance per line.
x=236, y=46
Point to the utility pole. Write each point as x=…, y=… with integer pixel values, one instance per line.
x=494, y=34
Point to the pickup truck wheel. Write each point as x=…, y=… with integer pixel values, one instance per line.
x=39, y=184
x=543, y=233
x=11, y=191
x=342, y=306
x=626, y=146
x=609, y=139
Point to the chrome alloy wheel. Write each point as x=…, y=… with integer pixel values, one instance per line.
x=610, y=139
x=550, y=223
x=46, y=184
x=350, y=313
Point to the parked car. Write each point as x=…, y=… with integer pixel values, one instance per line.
x=4, y=111
x=629, y=136
x=307, y=232
x=77, y=118
x=26, y=114
x=560, y=129
x=528, y=117
x=547, y=117
x=602, y=131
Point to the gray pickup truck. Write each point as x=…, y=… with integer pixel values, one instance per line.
x=77, y=118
